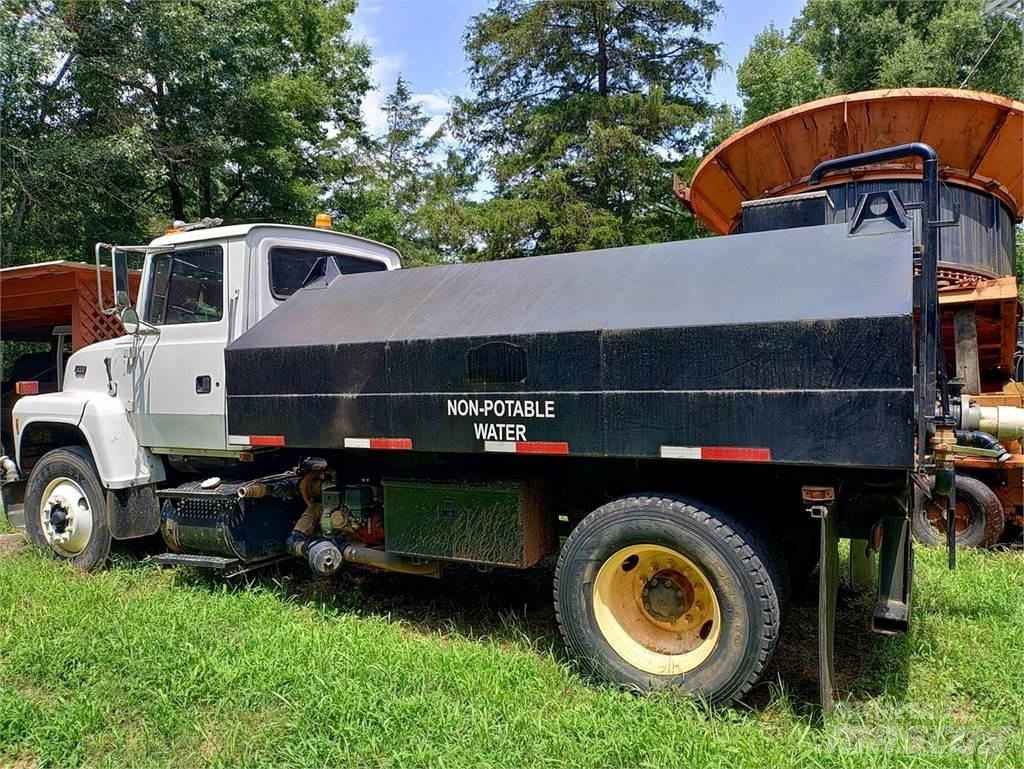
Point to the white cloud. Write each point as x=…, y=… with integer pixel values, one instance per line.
x=432, y=103
x=385, y=70
x=383, y=74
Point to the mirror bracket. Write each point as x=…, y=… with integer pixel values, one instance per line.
x=122, y=295
x=134, y=325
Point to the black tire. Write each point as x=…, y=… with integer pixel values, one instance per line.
x=74, y=463
x=986, y=519
x=743, y=571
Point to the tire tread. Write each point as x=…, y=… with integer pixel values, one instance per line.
x=766, y=574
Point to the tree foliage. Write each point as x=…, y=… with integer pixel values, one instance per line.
x=581, y=110
x=843, y=46
x=407, y=189
x=170, y=109
x=120, y=115
x=776, y=74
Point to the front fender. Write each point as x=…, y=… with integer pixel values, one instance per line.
x=121, y=461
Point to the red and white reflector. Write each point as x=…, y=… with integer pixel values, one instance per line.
x=527, y=447
x=717, y=453
x=256, y=440
x=379, y=443
x=27, y=387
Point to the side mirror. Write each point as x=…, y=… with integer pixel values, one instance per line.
x=130, y=320
x=119, y=262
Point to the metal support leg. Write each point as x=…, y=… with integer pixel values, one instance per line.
x=895, y=574
x=828, y=586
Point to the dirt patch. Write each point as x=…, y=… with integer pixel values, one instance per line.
x=10, y=543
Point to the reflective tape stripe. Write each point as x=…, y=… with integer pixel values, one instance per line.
x=256, y=440
x=390, y=443
x=378, y=443
x=266, y=440
x=717, y=453
x=680, y=452
x=527, y=447
x=730, y=454
x=507, y=447
x=542, y=447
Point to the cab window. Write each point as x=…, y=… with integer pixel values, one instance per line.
x=289, y=267
x=186, y=287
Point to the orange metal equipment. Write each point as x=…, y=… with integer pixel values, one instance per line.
x=977, y=136
x=36, y=298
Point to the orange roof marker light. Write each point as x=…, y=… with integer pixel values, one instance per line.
x=322, y=222
x=979, y=139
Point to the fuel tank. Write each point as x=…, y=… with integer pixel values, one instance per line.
x=790, y=346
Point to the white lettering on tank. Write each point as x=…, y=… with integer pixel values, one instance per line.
x=500, y=408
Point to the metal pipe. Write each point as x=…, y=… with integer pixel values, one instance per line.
x=254, y=490
x=1004, y=422
x=369, y=556
x=982, y=440
x=281, y=485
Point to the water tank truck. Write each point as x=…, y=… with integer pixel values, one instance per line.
x=683, y=424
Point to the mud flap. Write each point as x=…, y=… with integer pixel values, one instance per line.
x=828, y=587
x=133, y=513
x=12, y=500
x=863, y=566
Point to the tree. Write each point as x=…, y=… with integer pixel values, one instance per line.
x=163, y=110
x=776, y=74
x=392, y=185
x=582, y=110
x=61, y=185
x=406, y=192
x=843, y=46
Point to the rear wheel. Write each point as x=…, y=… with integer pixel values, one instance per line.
x=65, y=508
x=655, y=592
x=979, y=515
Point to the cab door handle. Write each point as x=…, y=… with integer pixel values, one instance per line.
x=203, y=384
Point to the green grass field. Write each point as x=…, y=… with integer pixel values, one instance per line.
x=142, y=667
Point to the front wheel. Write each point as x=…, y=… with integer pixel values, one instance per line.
x=65, y=508
x=655, y=592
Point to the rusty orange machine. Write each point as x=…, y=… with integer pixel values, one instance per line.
x=52, y=304
x=759, y=179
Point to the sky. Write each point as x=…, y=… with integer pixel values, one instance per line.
x=422, y=41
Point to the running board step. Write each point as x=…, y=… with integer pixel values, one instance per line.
x=212, y=562
x=226, y=567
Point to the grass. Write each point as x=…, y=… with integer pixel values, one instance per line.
x=137, y=666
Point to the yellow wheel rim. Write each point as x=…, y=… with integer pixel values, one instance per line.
x=656, y=609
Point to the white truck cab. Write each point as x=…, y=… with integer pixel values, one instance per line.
x=159, y=390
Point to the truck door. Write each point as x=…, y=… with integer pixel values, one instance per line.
x=178, y=378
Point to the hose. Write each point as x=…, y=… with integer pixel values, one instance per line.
x=982, y=440
x=323, y=556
